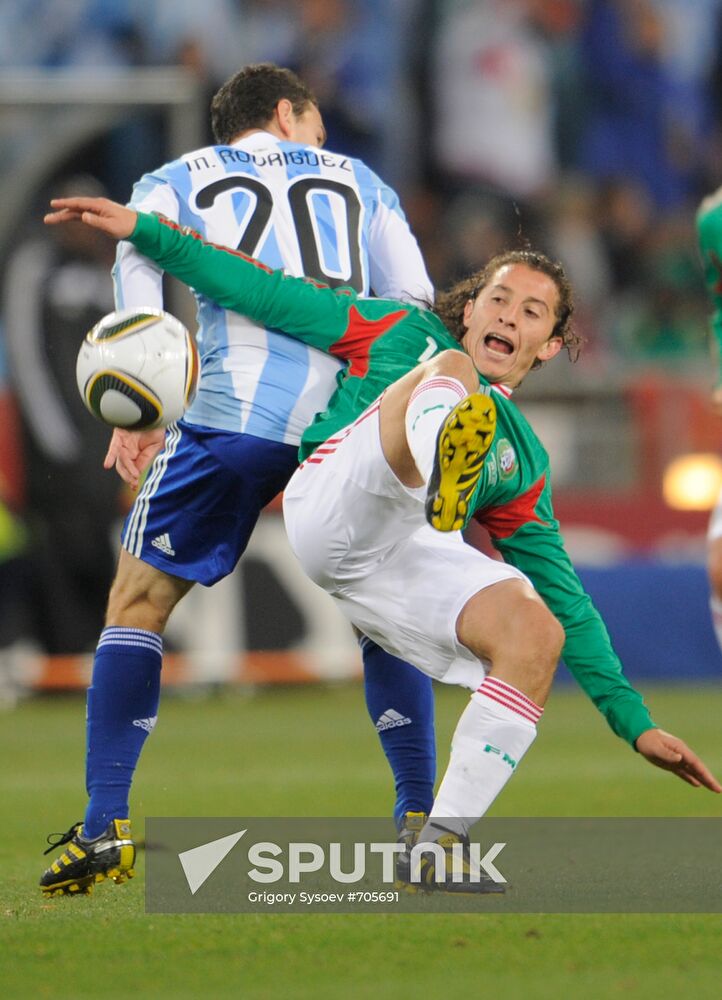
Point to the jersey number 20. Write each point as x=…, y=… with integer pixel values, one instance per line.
x=299, y=196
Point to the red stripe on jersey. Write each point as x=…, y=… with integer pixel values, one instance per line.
x=360, y=334
x=504, y=520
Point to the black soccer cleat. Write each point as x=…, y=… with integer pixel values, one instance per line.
x=85, y=862
x=462, y=444
x=460, y=874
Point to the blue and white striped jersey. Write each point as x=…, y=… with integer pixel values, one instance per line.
x=300, y=208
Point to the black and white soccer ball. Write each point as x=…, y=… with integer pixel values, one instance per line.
x=138, y=369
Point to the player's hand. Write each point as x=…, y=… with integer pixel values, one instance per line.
x=100, y=213
x=131, y=452
x=669, y=752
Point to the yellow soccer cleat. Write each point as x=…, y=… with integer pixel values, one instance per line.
x=459, y=874
x=85, y=862
x=462, y=444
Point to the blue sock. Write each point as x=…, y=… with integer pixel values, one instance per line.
x=122, y=709
x=400, y=700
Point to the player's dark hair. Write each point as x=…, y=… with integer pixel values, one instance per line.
x=449, y=306
x=249, y=99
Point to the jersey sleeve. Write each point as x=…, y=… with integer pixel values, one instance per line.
x=334, y=320
x=396, y=266
x=138, y=281
x=528, y=537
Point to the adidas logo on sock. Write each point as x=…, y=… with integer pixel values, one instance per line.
x=391, y=719
x=146, y=724
x=162, y=542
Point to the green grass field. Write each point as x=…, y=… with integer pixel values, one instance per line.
x=311, y=751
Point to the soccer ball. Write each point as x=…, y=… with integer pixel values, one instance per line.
x=138, y=369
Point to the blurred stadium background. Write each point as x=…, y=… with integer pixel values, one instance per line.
x=590, y=127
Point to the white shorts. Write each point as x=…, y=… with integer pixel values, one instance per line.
x=362, y=536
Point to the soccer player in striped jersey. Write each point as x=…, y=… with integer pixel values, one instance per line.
x=267, y=187
x=404, y=443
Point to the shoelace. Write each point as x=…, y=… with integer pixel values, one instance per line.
x=63, y=838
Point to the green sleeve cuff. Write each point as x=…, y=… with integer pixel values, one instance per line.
x=146, y=227
x=631, y=721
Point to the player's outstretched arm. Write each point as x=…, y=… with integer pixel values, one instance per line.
x=100, y=213
x=669, y=752
x=131, y=452
x=310, y=311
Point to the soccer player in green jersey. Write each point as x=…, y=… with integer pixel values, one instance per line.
x=422, y=426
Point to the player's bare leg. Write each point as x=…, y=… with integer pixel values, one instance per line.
x=509, y=626
x=142, y=596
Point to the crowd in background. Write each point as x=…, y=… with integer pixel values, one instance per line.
x=591, y=128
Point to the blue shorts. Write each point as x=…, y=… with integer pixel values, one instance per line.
x=201, y=499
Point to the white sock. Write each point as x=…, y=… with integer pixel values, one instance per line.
x=429, y=404
x=494, y=732
x=716, y=608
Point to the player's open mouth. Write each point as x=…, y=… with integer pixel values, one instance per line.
x=500, y=345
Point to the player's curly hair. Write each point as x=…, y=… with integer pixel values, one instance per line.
x=249, y=99
x=449, y=305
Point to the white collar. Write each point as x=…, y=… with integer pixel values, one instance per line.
x=255, y=139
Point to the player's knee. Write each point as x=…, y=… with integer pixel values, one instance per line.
x=455, y=364
x=550, y=639
x=540, y=640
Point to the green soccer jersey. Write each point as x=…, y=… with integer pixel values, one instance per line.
x=380, y=340
x=709, y=237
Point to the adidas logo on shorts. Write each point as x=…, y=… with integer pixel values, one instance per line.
x=391, y=719
x=162, y=542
